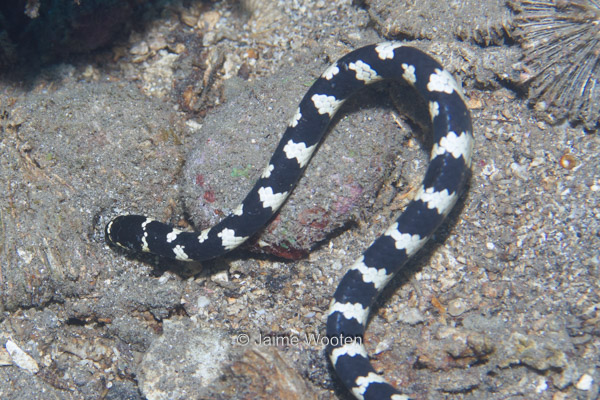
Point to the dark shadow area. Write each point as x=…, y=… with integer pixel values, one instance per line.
x=35, y=34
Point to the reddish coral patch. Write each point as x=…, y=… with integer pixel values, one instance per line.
x=209, y=196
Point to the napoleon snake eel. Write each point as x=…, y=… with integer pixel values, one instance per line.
x=444, y=181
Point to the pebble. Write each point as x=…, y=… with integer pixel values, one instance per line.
x=202, y=301
x=25, y=255
x=20, y=358
x=139, y=49
x=382, y=346
x=220, y=276
x=411, y=316
x=189, y=19
x=457, y=306
x=157, y=43
x=209, y=20
x=585, y=382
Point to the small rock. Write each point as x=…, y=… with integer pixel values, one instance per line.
x=25, y=255
x=382, y=346
x=266, y=375
x=20, y=358
x=183, y=361
x=157, y=43
x=518, y=170
x=411, y=316
x=585, y=382
x=202, y=301
x=178, y=48
x=189, y=19
x=209, y=20
x=220, y=276
x=140, y=49
x=457, y=306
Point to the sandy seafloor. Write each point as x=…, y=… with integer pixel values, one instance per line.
x=176, y=122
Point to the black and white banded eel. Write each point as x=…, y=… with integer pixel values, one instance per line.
x=443, y=182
